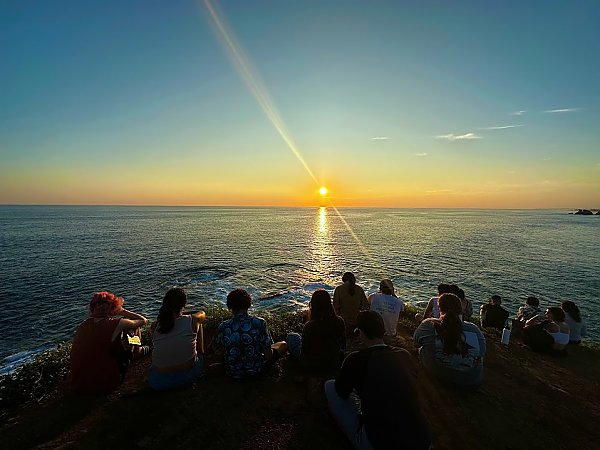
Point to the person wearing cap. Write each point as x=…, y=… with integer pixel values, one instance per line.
x=492, y=315
x=98, y=358
x=348, y=299
x=373, y=399
x=387, y=305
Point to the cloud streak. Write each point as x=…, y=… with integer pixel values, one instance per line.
x=563, y=110
x=459, y=137
x=421, y=154
x=379, y=138
x=517, y=113
x=501, y=127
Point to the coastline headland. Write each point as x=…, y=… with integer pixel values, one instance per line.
x=527, y=401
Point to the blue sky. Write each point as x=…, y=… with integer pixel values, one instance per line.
x=143, y=96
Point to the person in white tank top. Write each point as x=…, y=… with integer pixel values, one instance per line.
x=387, y=305
x=177, y=359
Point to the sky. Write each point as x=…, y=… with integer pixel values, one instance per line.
x=445, y=104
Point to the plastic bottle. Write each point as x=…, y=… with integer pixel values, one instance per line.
x=506, y=334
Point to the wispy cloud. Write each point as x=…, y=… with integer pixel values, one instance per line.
x=458, y=137
x=563, y=110
x=501, y=127
x=438, y=191
x=421, y=154
x=379, y=138
x=549, y=158
x=517, y=113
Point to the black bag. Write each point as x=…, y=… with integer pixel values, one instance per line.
x=538, y=338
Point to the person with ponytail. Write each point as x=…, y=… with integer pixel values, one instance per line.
x=177, y=359
x=348, y=300
x=98, y=358
x=450, y=349
x=574, y=320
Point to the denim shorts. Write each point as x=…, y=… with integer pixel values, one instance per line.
x=163, y=381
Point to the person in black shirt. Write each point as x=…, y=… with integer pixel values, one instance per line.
x=493, y=315
x=373, y=399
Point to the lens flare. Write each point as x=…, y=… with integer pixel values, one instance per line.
x=323, y=191
x=252, y=80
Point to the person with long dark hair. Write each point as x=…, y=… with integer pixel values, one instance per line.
x=573, y=319
x=321, y=346
x=98, y=358
x=552, y=322
x=450, y=349
x=349, y=299
x=177, y=360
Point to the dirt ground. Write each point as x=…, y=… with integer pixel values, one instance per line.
x=527, y=401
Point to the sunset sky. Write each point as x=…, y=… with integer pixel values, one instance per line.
x=389, y=103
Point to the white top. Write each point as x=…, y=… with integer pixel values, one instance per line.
x=577, y=328
x=176, y=347
x=389, y=308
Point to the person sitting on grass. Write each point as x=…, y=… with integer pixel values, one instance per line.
x=348, y=300
x=373, y=399
x=432, y=309
x=99, y=358
x=177, y=359
x=387, y=305
x=574, y=320
x=450, y=349
x=529, y=310
x=467, y=306
x=492, y=315
x=323, y=341
x=248, y=348
x=552, y=323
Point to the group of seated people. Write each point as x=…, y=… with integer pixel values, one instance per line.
x=548, y=332
x=372, y=391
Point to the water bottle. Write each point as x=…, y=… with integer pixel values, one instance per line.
x=506, y=334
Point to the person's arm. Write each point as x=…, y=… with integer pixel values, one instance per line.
x=198, y=318
x=421, y=333
x=336, y=301
x=429, y=310
x=127, y=324
x=535, y=320
x=129, y=315
x=266, y=341
x=364, y=303
x=344, y=383
x=481, y=340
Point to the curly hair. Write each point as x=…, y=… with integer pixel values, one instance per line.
x=238, y=299
x=105, y=303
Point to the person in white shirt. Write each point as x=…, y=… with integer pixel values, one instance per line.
x=388, y=305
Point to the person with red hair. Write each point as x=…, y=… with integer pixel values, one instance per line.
x=97, y=354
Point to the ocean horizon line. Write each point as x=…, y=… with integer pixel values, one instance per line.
x=133, y=205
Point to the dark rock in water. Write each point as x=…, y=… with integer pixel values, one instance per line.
x=598, y=212
x=584, y=212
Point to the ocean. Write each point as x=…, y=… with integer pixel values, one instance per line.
x=53, y=258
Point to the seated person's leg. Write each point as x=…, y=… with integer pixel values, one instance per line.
x=294, y=343
x=344, y=411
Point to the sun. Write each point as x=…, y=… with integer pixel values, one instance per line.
x=323, y=191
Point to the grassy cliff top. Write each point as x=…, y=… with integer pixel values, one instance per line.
x=527, y=401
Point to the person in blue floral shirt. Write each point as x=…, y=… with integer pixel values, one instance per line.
x=248, y=349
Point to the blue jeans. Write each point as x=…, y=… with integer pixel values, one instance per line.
x=163, y=381
x=346, y=413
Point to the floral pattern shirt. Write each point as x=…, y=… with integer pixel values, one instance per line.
x=243, y=338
